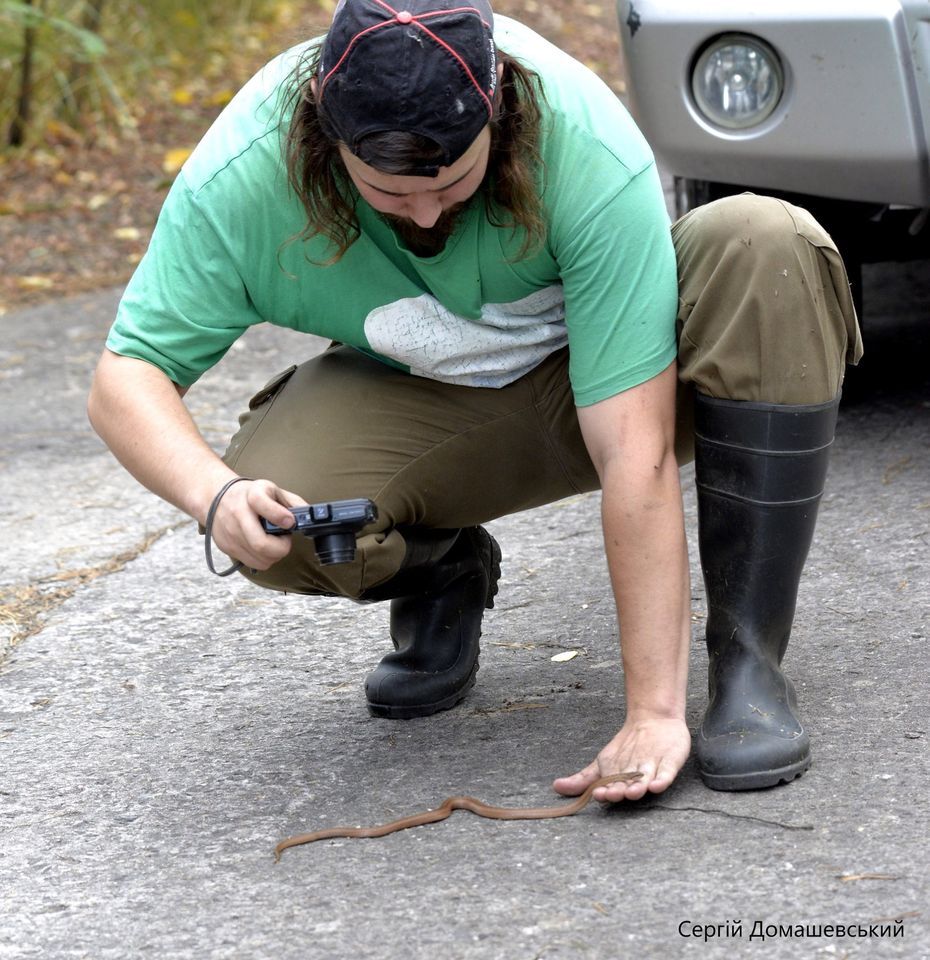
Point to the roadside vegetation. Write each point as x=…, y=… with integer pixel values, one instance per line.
x=101, y=101
x=86, y=70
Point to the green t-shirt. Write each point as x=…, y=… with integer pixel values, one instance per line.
x=223, y=257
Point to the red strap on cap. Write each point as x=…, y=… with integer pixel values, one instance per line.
x=405, y=17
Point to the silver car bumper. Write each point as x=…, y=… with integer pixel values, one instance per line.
x=853, y=122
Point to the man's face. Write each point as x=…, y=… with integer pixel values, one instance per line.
x=422, y=201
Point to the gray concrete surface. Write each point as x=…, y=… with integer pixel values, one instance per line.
x=161, y=730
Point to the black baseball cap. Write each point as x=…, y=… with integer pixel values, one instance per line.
x=427, y=67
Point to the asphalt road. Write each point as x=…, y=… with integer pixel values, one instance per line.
x=161, y=730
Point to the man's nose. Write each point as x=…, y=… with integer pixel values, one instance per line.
x=424, y=210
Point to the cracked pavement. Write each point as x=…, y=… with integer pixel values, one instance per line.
x=162, y=730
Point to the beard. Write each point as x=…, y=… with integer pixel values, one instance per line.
x=426, y=241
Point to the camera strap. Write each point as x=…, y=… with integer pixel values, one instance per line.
x=208, y=532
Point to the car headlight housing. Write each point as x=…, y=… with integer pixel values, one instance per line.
x=737, y=81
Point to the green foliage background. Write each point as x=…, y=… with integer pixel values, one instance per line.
x=94, y=61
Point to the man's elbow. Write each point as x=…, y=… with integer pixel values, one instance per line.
x=650, y=468
x=95, y=401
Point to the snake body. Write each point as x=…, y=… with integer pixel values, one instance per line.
x=458, y=803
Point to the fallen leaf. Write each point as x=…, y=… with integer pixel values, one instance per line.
x=174, y=159
x=851, y=877
x=62, y=133
x=220, y=98
x=564, y=656
x=182, y=96
x=127, y=233
x=35, y=283
x=98, y=200
x=896, y=468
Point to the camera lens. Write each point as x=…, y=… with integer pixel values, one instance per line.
x=335, y=548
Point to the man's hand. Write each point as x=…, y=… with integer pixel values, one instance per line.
x=237, y=529
x=657, y=747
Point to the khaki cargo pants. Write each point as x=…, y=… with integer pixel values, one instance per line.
x=765, y=314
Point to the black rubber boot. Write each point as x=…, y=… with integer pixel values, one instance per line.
x=760, y=471
x=439, y=597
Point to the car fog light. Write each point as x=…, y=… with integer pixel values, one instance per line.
x=737, y=81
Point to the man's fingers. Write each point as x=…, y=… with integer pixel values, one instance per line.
x=622, y=790
x=268, y=552
x=252, y=547
x=577, y=783
x=238, y=531
x=291, y=499
x=272, y=502
x=665, y=775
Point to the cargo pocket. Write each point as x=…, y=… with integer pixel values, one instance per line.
x=250, y=421
x=271, y=388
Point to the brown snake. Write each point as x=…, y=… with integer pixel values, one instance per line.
x=458, y=803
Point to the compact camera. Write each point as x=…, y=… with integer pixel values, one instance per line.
x=332, y=525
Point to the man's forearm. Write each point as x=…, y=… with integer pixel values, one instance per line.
x=648, y=562
x=647, y=558
x=139, y=414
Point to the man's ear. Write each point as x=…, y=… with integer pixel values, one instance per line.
x=500, y=73
x=313, y=87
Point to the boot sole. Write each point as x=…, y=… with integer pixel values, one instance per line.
x=758, y=780
x=390, y=712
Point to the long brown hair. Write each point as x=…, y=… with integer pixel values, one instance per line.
x=512, y=185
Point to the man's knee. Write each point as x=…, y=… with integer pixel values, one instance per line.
x=766, y=311
x=748, y=228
